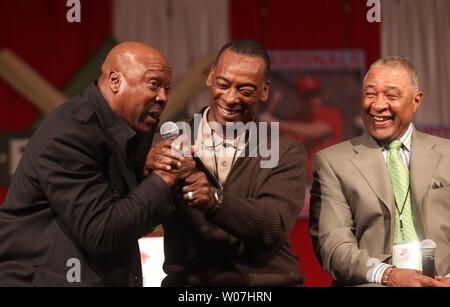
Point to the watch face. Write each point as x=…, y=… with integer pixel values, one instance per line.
x=218, y=196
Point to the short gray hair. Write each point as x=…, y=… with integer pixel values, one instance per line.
x=399, y=62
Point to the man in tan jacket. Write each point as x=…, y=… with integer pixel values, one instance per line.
x=361, y=229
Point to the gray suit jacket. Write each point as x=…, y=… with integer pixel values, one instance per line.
x=352, y=204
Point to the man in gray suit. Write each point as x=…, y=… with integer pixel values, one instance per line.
x=372, y=202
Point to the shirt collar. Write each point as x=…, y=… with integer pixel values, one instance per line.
x=212, y=140
x=208, y=138
x=114, y=125
x=405, y=139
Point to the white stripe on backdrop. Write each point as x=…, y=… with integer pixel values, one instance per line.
x=183, y=30
x=419, y=30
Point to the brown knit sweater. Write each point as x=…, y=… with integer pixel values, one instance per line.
x=246, y=242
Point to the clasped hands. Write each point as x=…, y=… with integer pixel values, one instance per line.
x=173, y=161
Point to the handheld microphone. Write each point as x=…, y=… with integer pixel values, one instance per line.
x=169, y=131
x=428, y=249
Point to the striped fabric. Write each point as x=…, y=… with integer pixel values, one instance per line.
x=404, y=151
x=404, y=229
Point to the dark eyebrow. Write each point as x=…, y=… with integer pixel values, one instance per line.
x=150, y=71
x=370, y=86
x=222, y=78
x=240, y=85
x=156, y=70
x=150, y=75
x=394, y=88
x=249, y=85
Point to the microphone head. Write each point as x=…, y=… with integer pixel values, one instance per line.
x=169, y=130
x=427, y=246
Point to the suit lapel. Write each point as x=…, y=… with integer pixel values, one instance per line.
x=423, y=162
x=368, y=159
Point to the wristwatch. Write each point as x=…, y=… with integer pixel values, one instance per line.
x=218, y=199
x=218, y=196
x=387, y=273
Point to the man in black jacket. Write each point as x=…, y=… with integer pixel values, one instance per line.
x=78, y=201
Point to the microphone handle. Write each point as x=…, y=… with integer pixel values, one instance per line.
x=428, y=265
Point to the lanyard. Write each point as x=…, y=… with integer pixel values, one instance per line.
x=400, y=212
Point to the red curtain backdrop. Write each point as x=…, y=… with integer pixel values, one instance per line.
x=303, y=24
x=40, y=34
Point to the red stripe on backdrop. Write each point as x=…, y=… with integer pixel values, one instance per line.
x=304, y=24
x=39, y=33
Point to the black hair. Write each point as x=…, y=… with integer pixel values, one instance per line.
x=247, y=47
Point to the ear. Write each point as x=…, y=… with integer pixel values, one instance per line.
x=114, y=81
x=417, y=100
x=265, y=93
x=210, y=79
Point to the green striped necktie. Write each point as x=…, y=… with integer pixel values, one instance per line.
x=404, y=229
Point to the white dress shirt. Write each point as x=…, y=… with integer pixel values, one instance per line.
x=405, y=153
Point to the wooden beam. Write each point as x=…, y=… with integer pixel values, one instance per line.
x=28, y=82
x=194, y=82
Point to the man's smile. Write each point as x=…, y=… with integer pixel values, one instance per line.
x=382, y=121
x=230, y=112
